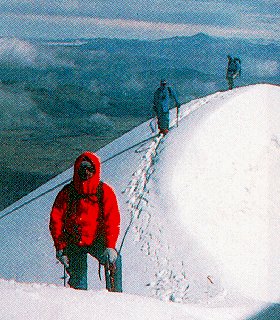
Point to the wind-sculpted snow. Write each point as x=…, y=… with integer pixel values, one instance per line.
x=47, y=302
x=223, y=185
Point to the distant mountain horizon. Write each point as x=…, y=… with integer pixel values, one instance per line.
x=198, y=35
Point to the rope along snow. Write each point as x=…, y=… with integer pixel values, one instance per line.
x=69, y=179
x=193, y=107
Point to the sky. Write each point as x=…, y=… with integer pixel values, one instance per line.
x=205, y=222
x=141, y=19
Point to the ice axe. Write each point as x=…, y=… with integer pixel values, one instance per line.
x=110, y=270
x=113, y=275
x=65, y=276
x=177, y=116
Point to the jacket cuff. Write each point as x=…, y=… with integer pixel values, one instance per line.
x=111, y=243
x=60, y=246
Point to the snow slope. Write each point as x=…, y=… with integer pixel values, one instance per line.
x=231, y=187
x=202, y=208
x=34, y=302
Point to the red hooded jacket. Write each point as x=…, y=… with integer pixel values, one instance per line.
x=80, y=223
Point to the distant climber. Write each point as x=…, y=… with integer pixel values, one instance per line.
x=161, y=105
x=233, y=70
x=85, y=218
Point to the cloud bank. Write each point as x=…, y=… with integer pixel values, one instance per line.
x=140, y=19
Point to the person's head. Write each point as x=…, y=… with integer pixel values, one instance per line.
x=163, y=82
x=86, y=170
x=229, y=57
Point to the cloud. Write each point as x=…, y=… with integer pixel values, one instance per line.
x=262, y=68
x=139, y=19
x=265, y=22
x=14, y=51
x=129, y=9
x=96, y=124
x=267, y=68
x=17, y=50
x=18, y=111
x=57, y=26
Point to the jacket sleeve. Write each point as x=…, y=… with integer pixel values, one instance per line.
x=155, y=103
x=174, y=96
x=228, y=70
x=111, y=217
x=57, y=219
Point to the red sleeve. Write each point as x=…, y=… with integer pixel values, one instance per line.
x=57, y=219
x=111, y=217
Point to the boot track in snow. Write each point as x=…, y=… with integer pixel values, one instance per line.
x=170, y=281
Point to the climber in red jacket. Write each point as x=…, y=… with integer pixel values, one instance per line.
x=85, y=218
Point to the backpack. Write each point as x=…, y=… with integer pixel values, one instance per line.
x=74, y=195
x=237, y=63
x=169, y=91
x=237, y=59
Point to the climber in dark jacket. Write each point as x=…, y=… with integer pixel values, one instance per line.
x=233, y=70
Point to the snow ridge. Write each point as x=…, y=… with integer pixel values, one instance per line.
x=218, y=272
x=168, y=285
x=170, y=281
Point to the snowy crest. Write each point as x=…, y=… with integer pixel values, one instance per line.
x=199, y=206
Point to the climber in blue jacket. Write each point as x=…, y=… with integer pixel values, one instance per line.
x=161, y=105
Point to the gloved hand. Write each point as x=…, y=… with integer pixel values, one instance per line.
x=62, y=258
x=110, y=255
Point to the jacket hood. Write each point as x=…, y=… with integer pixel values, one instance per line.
x=88, y=186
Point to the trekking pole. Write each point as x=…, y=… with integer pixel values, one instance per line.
x=177, y=116
x=64, y=276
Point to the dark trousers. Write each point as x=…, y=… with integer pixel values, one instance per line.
x=163, y=120
x=78, y=265
x=230, y=82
